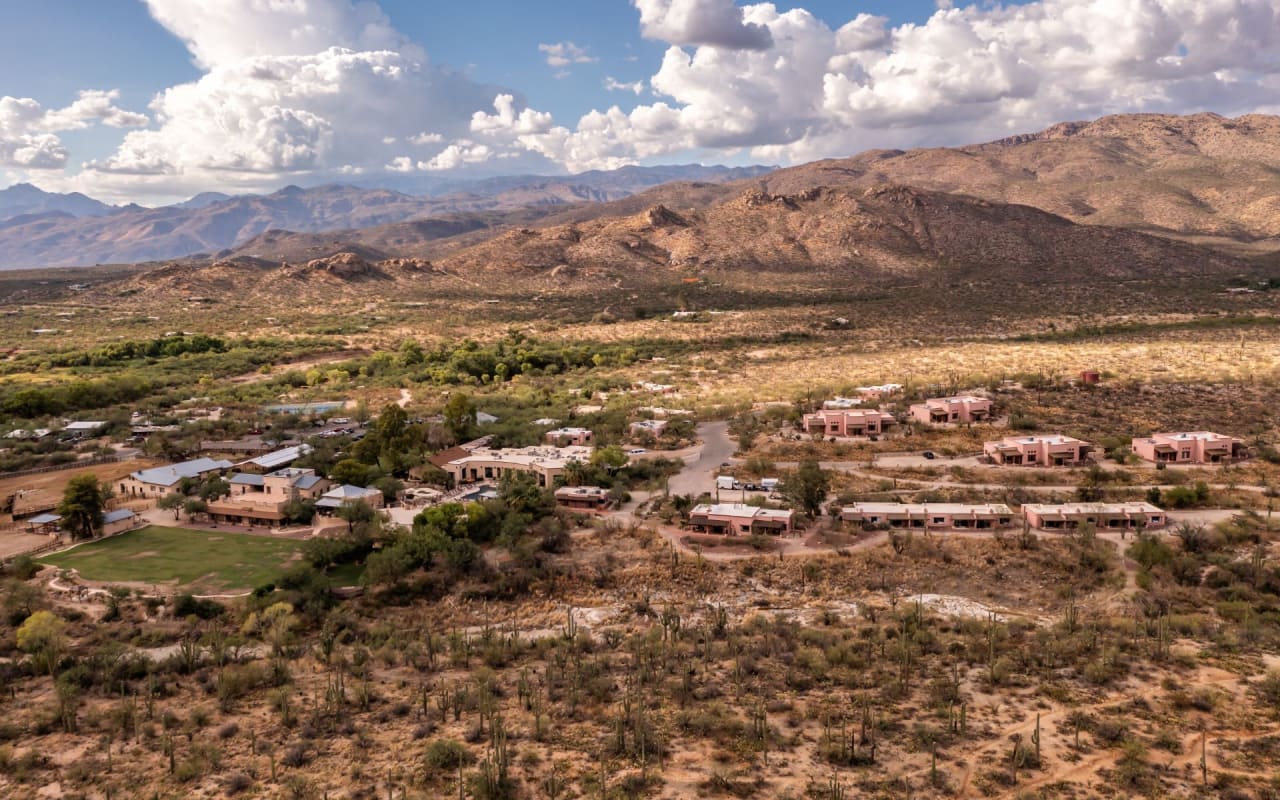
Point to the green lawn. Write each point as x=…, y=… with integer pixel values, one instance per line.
x=207, y=562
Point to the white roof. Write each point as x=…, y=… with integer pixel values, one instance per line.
x=348, y=492
x=546, y=421
x=580, y=491
x=528, y=456
x=483, y=418
x=741, y=510
x=924, y=509
x=650, y=423
x=85, y=425
x=1185, y=436
x=865, y=413
x=1091, y=508
x=1055, y=438
x=280, y=458
x=957, y=399
x=568, y=431
x=173, y=473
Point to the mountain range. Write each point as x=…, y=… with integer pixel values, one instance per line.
x=1132, y=197
x=1201, y=179
x=41, y=229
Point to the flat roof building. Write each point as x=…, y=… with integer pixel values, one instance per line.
x=583, y=498
x=1105, y=516
x=1193, y=447
x=563, y=437
x=545, y=463
x=1054, y=450
x=848, y=422
x=930, y=516
x=738, y=518
x=952, y=410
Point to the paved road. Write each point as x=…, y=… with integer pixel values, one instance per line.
x=700, y=476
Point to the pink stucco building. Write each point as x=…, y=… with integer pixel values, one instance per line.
x=1196, y=447
x=848, y=422
x=930, y=516
x=739, y=518
x=1037, y=451
x=958, y=409
x=1103, y=516
x=563, y=437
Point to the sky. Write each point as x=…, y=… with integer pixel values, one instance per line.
x=157, y=100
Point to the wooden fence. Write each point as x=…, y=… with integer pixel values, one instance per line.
x=91, y=462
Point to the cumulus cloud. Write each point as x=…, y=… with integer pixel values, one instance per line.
x=460, y=153
x=614, y=85
x=563, y=54
x=717, y=23
x=28, y=131
x=786, y=86
x=323, y=87
x=229, y=31
x=291, y=87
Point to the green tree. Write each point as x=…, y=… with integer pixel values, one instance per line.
x=575, y=472
x=194, y=506
x=411, y=353
x=610, y=458
x=82, y=506
x=43, y=636
x=171, y=502
x=460, y=415
x=807, y=489
x=389, y=487
x=350, y=471
x=359, y=511
x=214, y=488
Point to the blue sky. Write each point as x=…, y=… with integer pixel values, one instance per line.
x=155, y=99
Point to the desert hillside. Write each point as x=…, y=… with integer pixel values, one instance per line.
x=1202, y=176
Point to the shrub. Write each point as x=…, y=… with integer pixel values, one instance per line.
x=185, y=605
x=447, y=755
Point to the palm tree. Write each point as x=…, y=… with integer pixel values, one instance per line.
x=575, y=473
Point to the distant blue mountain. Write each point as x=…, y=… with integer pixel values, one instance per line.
x=24, y=199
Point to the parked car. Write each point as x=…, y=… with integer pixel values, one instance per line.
x=636, y=451
x=929, y=454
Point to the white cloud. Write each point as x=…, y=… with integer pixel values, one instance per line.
x=716, y=23
x=562, y=54
x=799, y=90
x=223, y=32
x=458, y=154
x=327, y=87
x=614, y=85
x=290, y=88
x=28, y=131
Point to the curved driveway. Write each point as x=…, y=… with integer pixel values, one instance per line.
x=700, y=476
